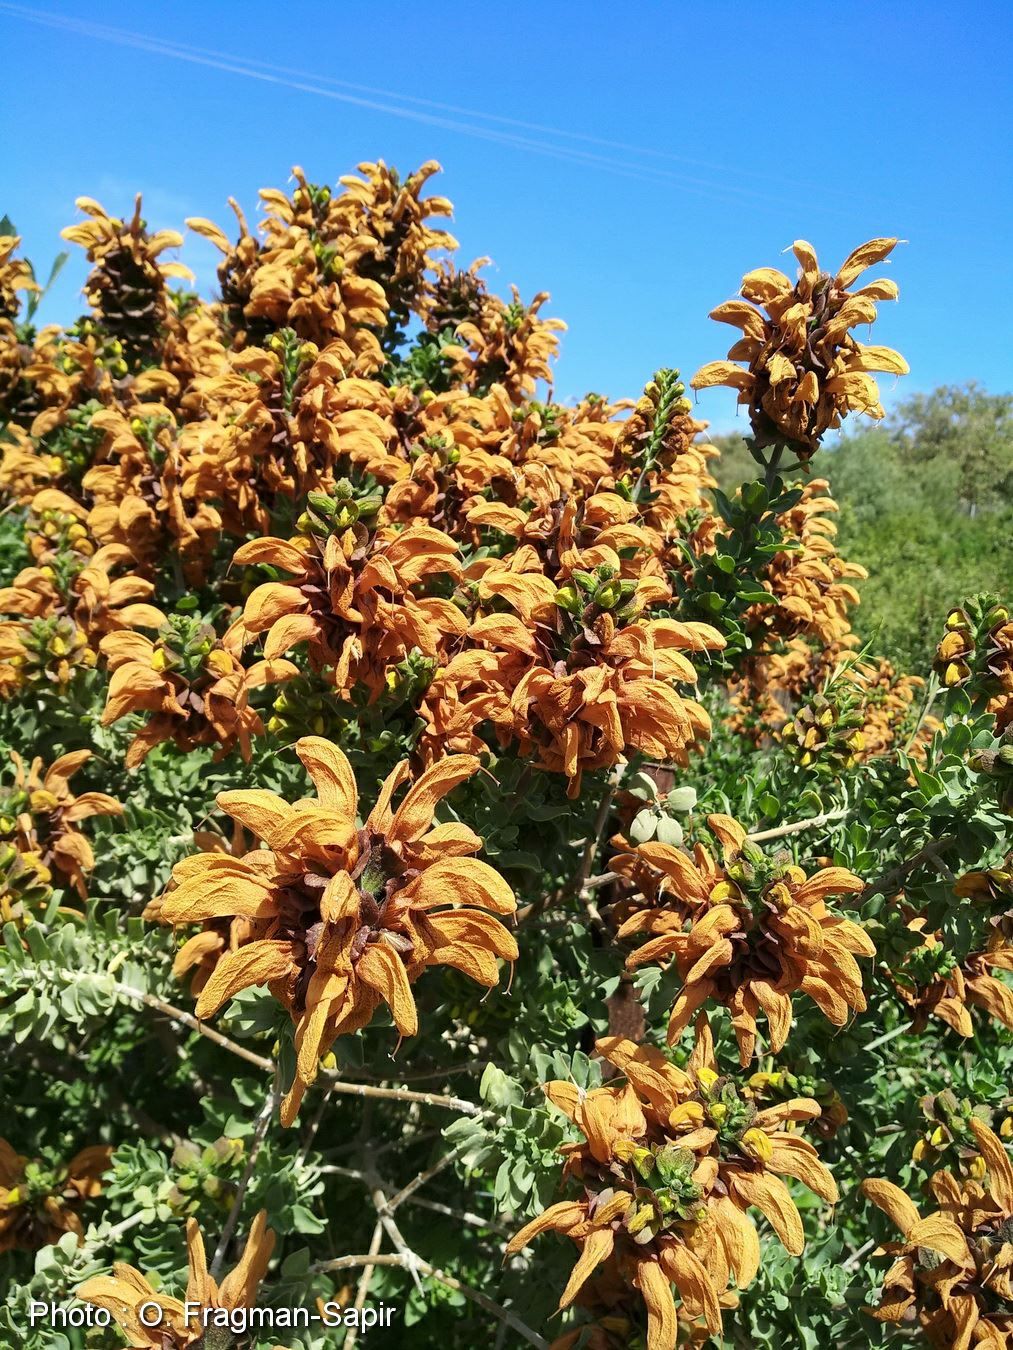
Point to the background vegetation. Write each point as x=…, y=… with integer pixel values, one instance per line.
x=926, y=505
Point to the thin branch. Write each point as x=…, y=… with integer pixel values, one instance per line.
x=188, y=1020
x=462, y=1215
x=336, y=1170
x=124, y=1226
x=928, y=853
x=778, y=832
x=378, y=1196
x=887, y=1037
x=598, y=829
x=314, y=1126
x=482, y=1300
x=330, y=1076
x=423, y=1177
x=856, y=1257
x=931, y=692
x=259, y=1134
x=812, y=823
x=459, y=1104
x=603, y=879
x=362, y=1292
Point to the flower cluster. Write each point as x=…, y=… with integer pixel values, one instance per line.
x=976, y=653
x=154, y=1320
x=338, y=919
x=532, y=608
x=337, y=510
x=39, y=816
x=40, y=1202
x=747, y=934
x=953, y=1269
x=802, y=370
x=670, y=1164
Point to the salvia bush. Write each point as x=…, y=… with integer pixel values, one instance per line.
x=454, y=857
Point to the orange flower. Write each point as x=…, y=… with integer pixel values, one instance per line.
x=804, y=371
x=811, y=583
x=500, y=344
x=748, y=935
x=954, y=1269
x=196, y=690
x=354, y=594
x=74, y=578
x=39, y=814
x=39, y=1203
x=671, y=1162
x=344, y=919
x=127, y=287
x=333, y=266
x=42, y=654
x=934, y=984
x=201, y=953
x=15, y=275
x=572, y=674
x=129, y=1296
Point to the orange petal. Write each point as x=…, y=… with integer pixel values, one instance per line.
x=331, y=774
x=415, y=814
x=382, y=969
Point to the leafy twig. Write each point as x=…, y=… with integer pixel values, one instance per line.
x=778, y=832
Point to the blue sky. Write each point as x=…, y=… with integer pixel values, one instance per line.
x=714, y=135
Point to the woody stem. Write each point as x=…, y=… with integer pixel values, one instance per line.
x=580, y=885
x=409, y=1258
x=259, y=1134
x=778, y=832
x=362, y=1292
x=330, y=1076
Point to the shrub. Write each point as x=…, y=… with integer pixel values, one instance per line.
x=482, y=825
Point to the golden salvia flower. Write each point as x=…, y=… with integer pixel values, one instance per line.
x=802, y=372
x=127, y=287
x=748, y=934
x=558, y=659
x=933, y=983
x=811, y=582
x=194, y=688
x=83, y=587
x=991, y=890
x=953, y=1271
x=42, y=654
x=976, y=652
x=25, y=888
x=125, y=1293
x=15, y=276
x=356, y=596
x=343, y=918
x=200, y=954
x=39, y=815
x=670, y=1164
x=509, y=344
x=39, y=1202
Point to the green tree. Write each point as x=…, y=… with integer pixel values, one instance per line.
x=968, y=428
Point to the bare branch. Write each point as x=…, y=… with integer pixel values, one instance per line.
x=259, y=1134
x=482, y=1300
x=437, y=1167
x=335, y=1082
x=362, y=1292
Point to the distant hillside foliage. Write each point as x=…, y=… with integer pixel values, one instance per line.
x=926, y=505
